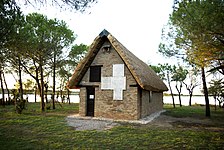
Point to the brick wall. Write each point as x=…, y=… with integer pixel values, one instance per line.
x=136, y=102
x=151, y=102
x=82, y=103
x=105, y=106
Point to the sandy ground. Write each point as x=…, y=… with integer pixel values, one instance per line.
x=157, y=119
x=94, y=123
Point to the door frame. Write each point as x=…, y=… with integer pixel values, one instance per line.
x=90, y=101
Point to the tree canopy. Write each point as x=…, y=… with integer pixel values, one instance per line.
x=200, y=30
x=196, y=30
x=9, y=11
x=38, y=46
x=77, y=5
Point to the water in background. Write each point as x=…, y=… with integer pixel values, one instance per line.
x=185, y=100
x=31, y=98
x=166, y=99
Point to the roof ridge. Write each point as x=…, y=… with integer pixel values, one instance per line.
x=104, y=33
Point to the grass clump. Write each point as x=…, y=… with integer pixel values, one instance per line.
x=49, y=130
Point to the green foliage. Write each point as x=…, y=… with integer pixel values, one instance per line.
x=9, y=11
x=179, y=74
x=163, y=70
x=10, y=16
x=172, y=73
x=67, y=65
x=29, y=84
x=171, y=40
x=192, y=82
x=46, y=36
x=36, y=44
x=45, y=41
x=176, y=73
x=20, y=106
x=202, y=29
x=198, y=30
x=158, y=71
x=77, y=53
x=216, y=89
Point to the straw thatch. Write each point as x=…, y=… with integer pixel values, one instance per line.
x=143, y=74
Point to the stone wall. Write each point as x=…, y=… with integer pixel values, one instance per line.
x=158, y=101
x=105, y=106
x=82, y=103
x=151, y=102
x=136, y=103
x=125, y=109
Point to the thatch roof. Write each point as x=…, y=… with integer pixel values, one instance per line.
x=143, y=74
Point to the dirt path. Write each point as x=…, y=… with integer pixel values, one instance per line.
x=187, y=122
x=94, y=123
x=85, y=123
x=90, y=124
x=168, y=121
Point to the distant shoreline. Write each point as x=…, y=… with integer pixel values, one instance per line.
x=182, y=95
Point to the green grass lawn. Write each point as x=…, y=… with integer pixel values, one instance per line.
x=35, y=130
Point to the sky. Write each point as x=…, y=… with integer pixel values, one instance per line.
x=136, y=24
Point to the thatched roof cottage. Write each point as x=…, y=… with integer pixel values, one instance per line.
x=114, y=83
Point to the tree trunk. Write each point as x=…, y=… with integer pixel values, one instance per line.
x=21, y=85
x=179, y=93
x=38, y=85
x=207, y=110
x=190, y=90
x=35, y=95
x=68, y=92
x=190, y=93
x=215, y=102
x=220, y=104
x=39, y=88
x=46, y=91
x=168, y=79
x=46, y=96
x=68, y=97
x=42, y=87
x=6, y=86
x=54, y=82
x=3, y=92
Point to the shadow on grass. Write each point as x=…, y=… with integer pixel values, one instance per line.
x=196, y=113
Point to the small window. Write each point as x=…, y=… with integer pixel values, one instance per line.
x=95, y=74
